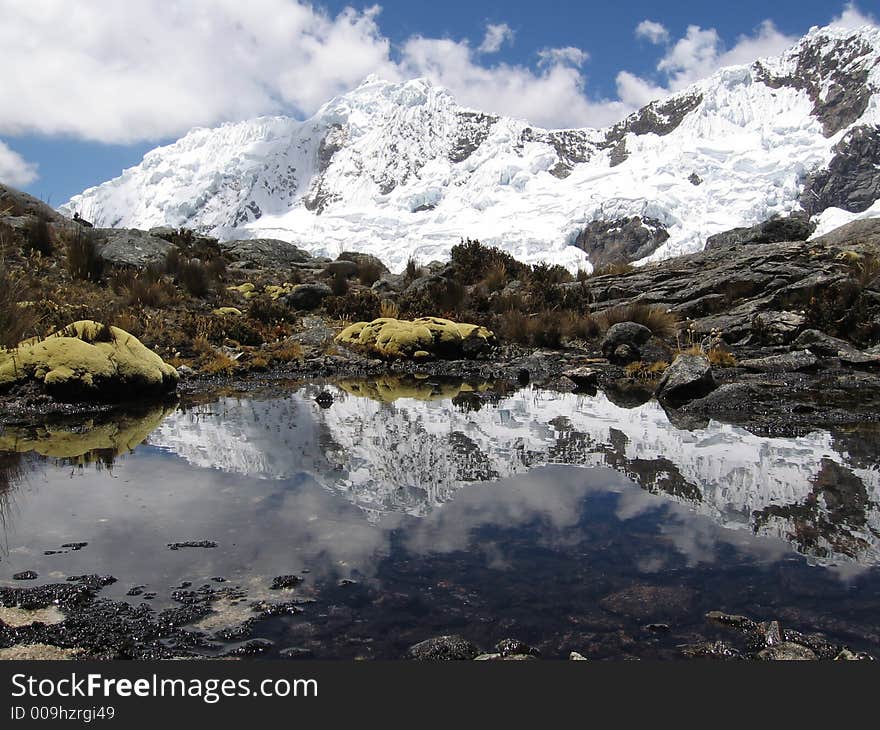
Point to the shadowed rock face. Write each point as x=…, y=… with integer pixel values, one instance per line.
x=796, y=227
x=851, y=180
x=572, y=148
x=622, y=240
x=18, y=203
x=658, y=117
x=843, y=68
x=800, y=285
x=474, y=128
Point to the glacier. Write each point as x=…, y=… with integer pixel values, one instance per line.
x=400, y=170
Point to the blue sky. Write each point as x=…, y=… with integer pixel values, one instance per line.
x=98, y=83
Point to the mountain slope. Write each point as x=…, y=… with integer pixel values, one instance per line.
x=402, y=170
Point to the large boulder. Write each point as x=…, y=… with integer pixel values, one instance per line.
x=621, y=240
x=307, y=296
x=363, y=259
x=131, y=247
x=14, y=202
x=689, y=377
x=796, y=227
x=824, y=345
x=623, y=340
x=419, y=339
x=443, y=648
x=341, y=268
x=88, y=361
x=787, y=362
x=265, y=253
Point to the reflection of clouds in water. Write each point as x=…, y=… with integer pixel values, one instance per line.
x=412, y=455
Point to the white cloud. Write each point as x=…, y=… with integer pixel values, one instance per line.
x=496, y=36
x=120, y=72
x=852, y=18
x=652, y=31
x=14, y=169
x=569, y=56
x=698, y=54
x=124, y=72
x=554, y=96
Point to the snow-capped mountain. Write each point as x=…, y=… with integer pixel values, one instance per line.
x=402, y=170
x=413, y=455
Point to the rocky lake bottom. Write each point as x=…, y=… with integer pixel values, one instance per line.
x=356, y=519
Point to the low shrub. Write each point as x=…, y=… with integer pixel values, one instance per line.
x=658, y=319
x=16, y=322
x=84, y=261
x=37, y=238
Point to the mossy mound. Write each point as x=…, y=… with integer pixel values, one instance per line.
x=87, y=442
x=88, y=360
x=390, y=389
x=416, y=339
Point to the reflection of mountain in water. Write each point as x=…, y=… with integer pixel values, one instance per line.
x=410, y=455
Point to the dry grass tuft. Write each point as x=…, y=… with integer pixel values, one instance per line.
x=658, y=319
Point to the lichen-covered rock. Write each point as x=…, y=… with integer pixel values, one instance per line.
x=88, y=360
x=689, y=377
x=419, y=338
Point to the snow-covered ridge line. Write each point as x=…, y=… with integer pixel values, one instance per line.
x=401, y=170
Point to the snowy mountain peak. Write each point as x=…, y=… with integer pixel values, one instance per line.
x=400, y=169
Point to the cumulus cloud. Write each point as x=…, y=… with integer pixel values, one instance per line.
x=120, y=72
x=124, y=72
x=569, y=56
x=852, y=18
x=652, y=31
x=698, y=54
x=14, y=169
x=496, y=36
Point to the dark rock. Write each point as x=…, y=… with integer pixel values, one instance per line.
x=711, y=650
x=363, y=259
x=834, y=74
x=134, y=248
x=778, y=328
x=850, y=181
x=824, y=345
x=192, y=544
x=324, y=399
x=286, y=581
x=390, y=284
x=341, y=268
x=695, y=179
x=511, y=647
x=443, y=648
x=795, y=227
x=296, y=652
x=25, y=575
x=624, y=354
x=646, y=601
x=625, y=333
x=473, y=129
x=689, y=377
x=787, y=651
x=265, y=253
x=21, y=204
x=622, y=240
x=786, y=363
x=584, y=378
x=307, y=296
